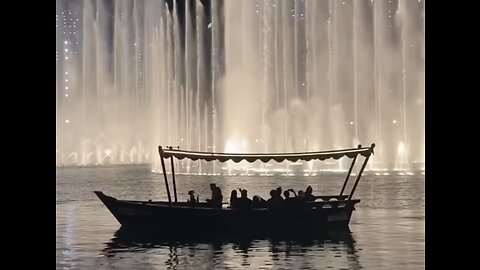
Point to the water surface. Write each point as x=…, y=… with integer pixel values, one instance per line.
x=387, y=229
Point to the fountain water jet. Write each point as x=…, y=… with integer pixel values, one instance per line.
x=287, y=75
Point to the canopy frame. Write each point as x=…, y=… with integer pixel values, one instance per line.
x=353, y=153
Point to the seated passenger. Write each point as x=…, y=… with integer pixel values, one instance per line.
x=289, y=202
x=294, y=203
x=308, y=194
x=276, y=201
x=279, y=191
x=300, y=199
x=191, y=198
x=233, y=199
x=244, y=203
x=259, y=202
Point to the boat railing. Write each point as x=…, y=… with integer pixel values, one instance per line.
x=332, y=204
x=313, y=205
x=330, y=197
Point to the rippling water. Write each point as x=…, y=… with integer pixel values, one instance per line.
x=387, y=229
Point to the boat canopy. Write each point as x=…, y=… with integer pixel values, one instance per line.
x=353, y=153
x=266, y=157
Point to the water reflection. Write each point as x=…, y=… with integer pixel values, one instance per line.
x=334, y=249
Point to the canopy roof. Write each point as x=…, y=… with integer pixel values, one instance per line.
x=266, y=157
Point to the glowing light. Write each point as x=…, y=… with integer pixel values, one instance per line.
x=66, y=50
x=66, y=73
x=66, y=42
x=66, y=95
x=66, y=87
x=67, y=121
x=66, y=57
x=351, y=123
x=394, y=121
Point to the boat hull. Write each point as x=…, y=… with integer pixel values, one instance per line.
x=165, y=217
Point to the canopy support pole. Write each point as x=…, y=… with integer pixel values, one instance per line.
x=173, y=177
x=361, y=171
x=348, y=174
x=160, y=151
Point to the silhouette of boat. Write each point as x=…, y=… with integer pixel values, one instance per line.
x=326, y=212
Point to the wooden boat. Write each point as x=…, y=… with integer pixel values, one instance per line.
x=332, y=211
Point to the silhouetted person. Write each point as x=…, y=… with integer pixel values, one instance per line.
x=286, y=194
x=256, y=202
x=244, y=203
x=300, y=200
x=276, y=201
x=191, y=198
x=308, y=194
x=217, y=197
x=279, y=191
x=291, y=203
x=259, y=202
x=297, y=202
x=234, y=199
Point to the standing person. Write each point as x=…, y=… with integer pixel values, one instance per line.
x=217, y=197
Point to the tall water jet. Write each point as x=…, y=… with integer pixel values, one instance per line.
x=275, y=76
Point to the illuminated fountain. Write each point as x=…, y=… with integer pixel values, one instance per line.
x=242, y=76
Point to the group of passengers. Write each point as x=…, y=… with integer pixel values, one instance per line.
x=275, y=202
